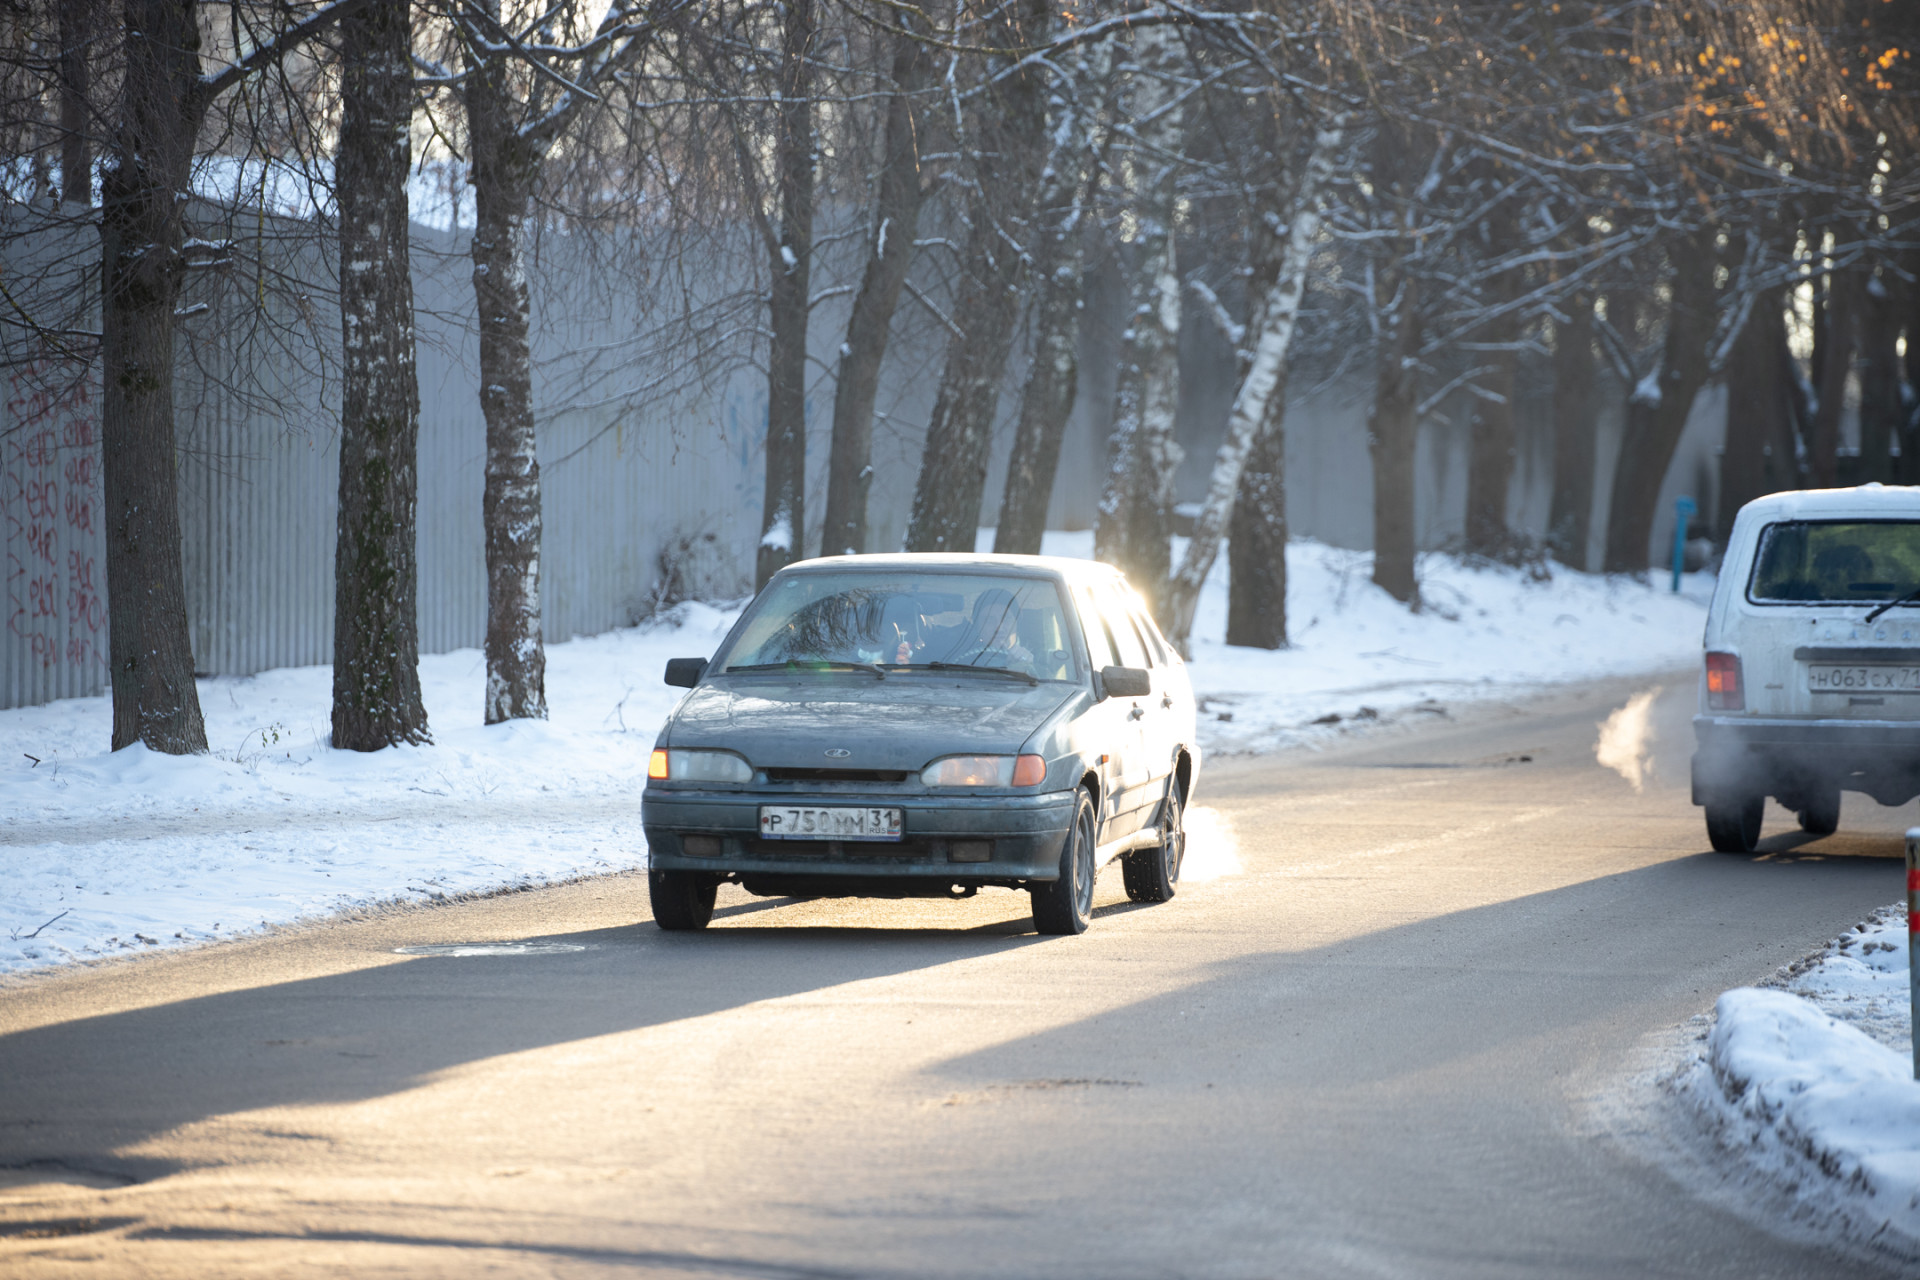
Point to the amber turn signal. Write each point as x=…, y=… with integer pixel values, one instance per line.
x=657, y=764
x=1029, y=771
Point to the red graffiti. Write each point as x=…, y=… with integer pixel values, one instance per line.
x=40, y=542
x=49, y=515
x=43, y=499
x=79, y=512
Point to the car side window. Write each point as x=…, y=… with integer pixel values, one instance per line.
x=1100, y=649
x=1161, y=651
x=1132, y=650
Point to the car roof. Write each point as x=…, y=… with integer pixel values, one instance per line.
x=1869, y=501
x=1068, y=567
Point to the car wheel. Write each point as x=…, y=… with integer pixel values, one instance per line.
x=1065, y=906
x=1821, y=817
x=1733, y=826
x=682, y=900
x=1152, y=875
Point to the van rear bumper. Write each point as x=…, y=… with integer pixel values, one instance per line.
x=1791, y=760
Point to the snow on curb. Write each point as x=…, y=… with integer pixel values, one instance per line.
x=1808, y=1084
x=107, y=854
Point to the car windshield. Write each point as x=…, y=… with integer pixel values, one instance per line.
x=903, y=621
x=1836, y=561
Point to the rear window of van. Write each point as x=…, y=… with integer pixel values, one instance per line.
x=1835, y=561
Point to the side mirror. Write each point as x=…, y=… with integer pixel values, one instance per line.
x=1125, y=682
x=684, y=673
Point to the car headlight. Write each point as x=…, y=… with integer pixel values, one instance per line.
x=985, y=771
x=698, y=766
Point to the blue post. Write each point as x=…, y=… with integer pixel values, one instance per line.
x=1682, y=508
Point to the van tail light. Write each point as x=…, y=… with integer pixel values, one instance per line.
x=1723, y=683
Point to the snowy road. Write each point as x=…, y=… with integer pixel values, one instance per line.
x=1384, y=1038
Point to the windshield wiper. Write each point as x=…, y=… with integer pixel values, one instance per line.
x=810, y=664
x=1908, y=598
x=968, y=666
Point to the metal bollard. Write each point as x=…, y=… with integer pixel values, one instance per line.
x=1913, y=936
x=1682, y=508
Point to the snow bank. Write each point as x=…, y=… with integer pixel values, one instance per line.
x=1358, y=656
x=108, y=853
x=1810, y=1085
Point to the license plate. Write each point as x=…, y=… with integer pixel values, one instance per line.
x=805, y=822
x=1874, y=679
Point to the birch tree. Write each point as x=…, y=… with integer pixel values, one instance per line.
x=1003, y=138
x=1059, y=277
x=527, y=78
x=1259, y=401
x=1134, y=526
x=376, y=633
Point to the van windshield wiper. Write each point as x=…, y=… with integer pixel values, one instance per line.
x=810, y=664
x=1908, y=598
x=968, y=666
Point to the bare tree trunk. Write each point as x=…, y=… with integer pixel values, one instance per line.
x=1059, y=273
x=504, y=169
x=1011, y=124
x=79, y=25
x=1490, y=458
x=1263, y=382
x=376, y=635
x=1570, y=517
x=154, y=698
x=896, y=219
x=1833, y=362
x=1257, y=536
x=1881, y=413
x=1657, y=413
x=1134, y=530
x=1393, y=431
x=783, y=518
x=1758, y=455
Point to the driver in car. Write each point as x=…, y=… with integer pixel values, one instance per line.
x=996, y=641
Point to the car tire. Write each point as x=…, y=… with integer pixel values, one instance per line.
x=1065, y=906
x=682, y=900
x=1733, y=826
x=1153, y=875
x=1821, y=817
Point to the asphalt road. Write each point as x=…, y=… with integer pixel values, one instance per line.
x=1373, y=1052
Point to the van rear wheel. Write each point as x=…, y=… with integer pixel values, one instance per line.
x=1733, y=824
x=1821, y=817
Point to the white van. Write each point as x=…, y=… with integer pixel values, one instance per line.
x=1811, y=684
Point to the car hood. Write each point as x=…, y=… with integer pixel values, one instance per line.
x=898, y=723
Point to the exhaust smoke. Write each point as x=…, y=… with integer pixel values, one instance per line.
x=1626, y=739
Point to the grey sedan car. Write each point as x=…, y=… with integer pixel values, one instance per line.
x=926, y=726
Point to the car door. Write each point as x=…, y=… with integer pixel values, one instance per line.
x=1153, y=714
x=1162, y=727
x=1113, y=724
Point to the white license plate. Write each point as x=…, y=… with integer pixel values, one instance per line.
x=1863, y=679
x=805, y=822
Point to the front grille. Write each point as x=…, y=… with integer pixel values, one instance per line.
x=836, y=775
x=860, y=851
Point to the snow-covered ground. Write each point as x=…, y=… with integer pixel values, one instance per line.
x=1806, y=1086
x=105, y=854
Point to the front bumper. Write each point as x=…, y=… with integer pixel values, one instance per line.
x=1027, y=833
x=1792, y=759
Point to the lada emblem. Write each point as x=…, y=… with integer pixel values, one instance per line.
x=838, y=753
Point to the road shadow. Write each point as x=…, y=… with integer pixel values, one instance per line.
x=77, y=1092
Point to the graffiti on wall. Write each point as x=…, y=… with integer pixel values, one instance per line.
x=51, y=520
